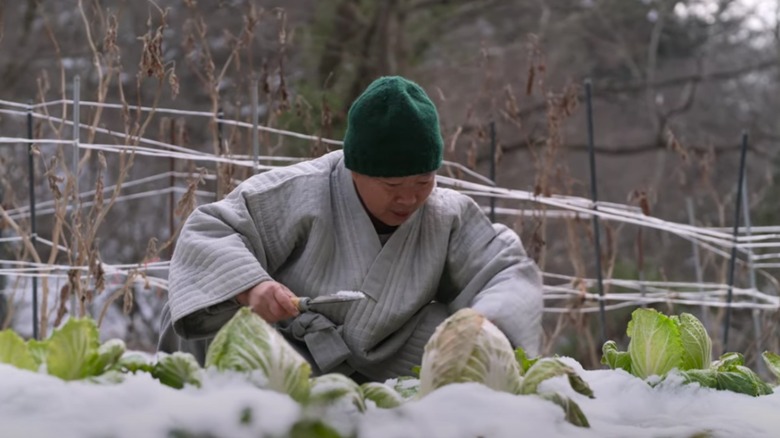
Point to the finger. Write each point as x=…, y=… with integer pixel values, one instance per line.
x=287, y=291
x=285, y=302
x=274, y=312
x=261, y=310
x=265, y=306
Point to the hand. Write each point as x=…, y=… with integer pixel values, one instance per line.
x=271, y=300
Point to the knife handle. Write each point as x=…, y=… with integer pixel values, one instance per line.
x=302, y=303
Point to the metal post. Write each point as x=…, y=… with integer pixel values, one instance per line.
x=255, y=134
x=752, y=278
x=640, y=265
x=733, y=260
x=594, y=197
x=220, y=127
x=705, y=312
x=76, y=154
x=493, y=169
x=3, y=282
x=33, y=233
x=172, y=184
x=76, y=138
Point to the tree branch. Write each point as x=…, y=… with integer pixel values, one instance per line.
x=696, y=77
x=424, y=4
x=636, y=87
x=634, y=149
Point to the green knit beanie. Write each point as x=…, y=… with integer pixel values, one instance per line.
x=393, y=130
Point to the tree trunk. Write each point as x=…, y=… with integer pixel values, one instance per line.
x=347, y=25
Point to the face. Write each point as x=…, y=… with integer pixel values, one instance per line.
x=393, y=200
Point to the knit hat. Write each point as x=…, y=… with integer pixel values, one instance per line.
x=393, y=130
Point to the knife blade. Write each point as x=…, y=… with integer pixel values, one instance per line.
x=305, y=303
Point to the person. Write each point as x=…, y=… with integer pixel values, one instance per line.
x=365, y=218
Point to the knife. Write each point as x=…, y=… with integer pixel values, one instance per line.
x=305, y=303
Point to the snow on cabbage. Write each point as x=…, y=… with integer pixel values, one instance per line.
x=467, y=347
x=661, y=345
x=471, y=382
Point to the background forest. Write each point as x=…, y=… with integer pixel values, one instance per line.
x=675, y=83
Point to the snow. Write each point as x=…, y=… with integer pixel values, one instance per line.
x=350, y=294
x=627, y=406
x=37, y=405
x=469, y=410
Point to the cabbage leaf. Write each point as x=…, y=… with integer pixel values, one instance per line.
x=177, y=370
x=772, y=362
x=466, y=347
x=697, y=345
x=332, y=388
x=656, y=346
x=248, y=343
x=548, y=368
x=14, y=351
x=72, y=350
x=382, y=395
x=614, y=358
x=571, y=410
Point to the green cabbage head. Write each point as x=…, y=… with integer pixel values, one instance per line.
x=248, y=343
x=659, y=344
x=466, y=347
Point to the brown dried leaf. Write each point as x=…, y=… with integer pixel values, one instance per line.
x=471, y=157
x=173, y=81
x=455, y=137
x=673, y=144
x=62, y=309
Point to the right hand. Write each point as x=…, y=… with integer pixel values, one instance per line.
x=271, y=300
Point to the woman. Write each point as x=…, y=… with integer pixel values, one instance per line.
x=368, y=218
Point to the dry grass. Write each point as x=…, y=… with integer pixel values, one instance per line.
x=75, y=230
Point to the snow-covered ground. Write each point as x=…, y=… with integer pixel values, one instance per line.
x=37, y=405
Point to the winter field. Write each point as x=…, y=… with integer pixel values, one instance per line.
x=38, y=405
x=85, y=382
x=471, y=384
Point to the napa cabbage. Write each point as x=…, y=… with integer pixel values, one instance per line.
x=661, y=345
x=382, y=395
x=248, y=343
x=467, y=347
x=72, y=352
x=334, y=388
